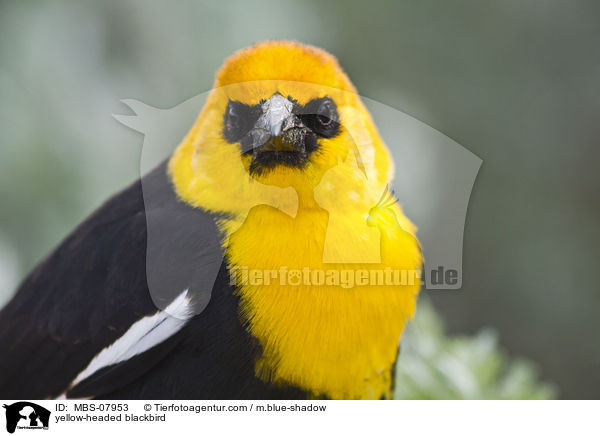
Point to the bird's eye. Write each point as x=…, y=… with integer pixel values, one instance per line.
x=321, y=116
x=239, y=119
x=233, y=117
x=326, y=113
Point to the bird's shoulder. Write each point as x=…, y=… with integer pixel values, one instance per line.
x=92, y=290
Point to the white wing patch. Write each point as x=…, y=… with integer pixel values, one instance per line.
x=141, y=336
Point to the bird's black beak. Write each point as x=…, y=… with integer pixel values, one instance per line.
x=278, y=137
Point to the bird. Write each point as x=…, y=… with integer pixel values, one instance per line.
x=265, y=258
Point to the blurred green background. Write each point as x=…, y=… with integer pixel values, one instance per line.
x=515, y=82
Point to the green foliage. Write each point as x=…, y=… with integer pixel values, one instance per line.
x=432, y=365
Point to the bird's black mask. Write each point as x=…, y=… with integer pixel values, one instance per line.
x=279, y=131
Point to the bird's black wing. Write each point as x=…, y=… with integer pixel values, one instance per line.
x=138, y=255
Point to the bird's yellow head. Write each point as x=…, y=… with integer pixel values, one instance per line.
x=281, y=114
x=283, y=130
